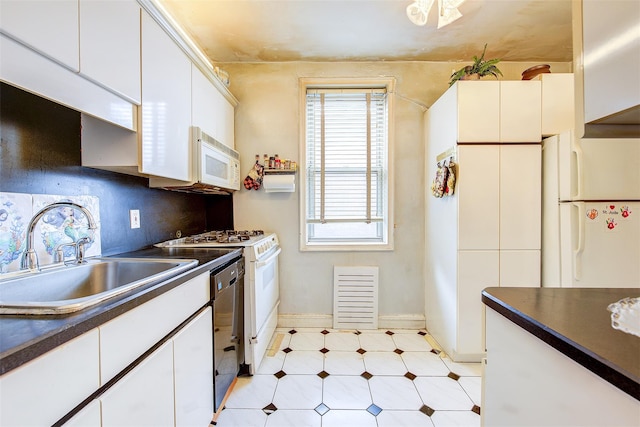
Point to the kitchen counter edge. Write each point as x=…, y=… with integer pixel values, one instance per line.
x=542, y=325
x=45, y=333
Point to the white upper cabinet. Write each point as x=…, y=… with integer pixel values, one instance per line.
x=166, y=105
x=110, y=45
x=211, y=111
x=496, y=111
x=49, y=27
x=558, y=102
x=520, y=111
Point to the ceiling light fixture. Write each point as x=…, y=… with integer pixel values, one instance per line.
x=418, y=11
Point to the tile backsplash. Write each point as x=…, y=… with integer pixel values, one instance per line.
x=58, y=226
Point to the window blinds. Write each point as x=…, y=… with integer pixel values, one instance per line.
x=346, y=158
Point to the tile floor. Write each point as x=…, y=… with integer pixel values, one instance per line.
x=331, y=378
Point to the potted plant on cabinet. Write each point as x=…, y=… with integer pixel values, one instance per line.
x=478, y=69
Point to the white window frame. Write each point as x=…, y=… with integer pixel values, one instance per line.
x=388, y=224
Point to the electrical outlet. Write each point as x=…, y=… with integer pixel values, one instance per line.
x=134, y=218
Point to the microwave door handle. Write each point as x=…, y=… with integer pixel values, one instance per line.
x=268, y=260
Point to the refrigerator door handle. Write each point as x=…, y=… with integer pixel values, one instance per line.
x=577, y=252
x=576, y=150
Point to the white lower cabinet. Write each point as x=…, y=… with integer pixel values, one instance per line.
x=89, y=416
x=43, y=390
x=193, y=371
x=144, y=396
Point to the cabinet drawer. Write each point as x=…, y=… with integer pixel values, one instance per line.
x=126, y=337
x=45, y=389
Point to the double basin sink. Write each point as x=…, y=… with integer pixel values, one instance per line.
x=66, y=289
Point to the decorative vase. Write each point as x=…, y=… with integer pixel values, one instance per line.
x=474, y=76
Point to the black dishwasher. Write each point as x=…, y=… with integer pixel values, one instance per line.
x=227, y=290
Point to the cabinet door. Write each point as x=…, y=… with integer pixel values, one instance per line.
x=226, y=132
x=210, y=109
x=520, y=196
x=520, y=111
x=45, y=389
x=478, y=190
x=49, y=27
x=558, y=100
x=193, y=369
x=89, y=416
x=478, y=111
x=110, y=48
x=144, y=396
x=126, y=337
x=166, y=105
x=520, y=268
x=476, y=270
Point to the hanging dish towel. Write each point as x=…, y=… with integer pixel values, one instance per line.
x=451, y=179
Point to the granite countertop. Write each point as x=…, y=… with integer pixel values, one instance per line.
x=23, y=338
x=576, y=322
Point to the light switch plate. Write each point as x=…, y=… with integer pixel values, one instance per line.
x=134, y=218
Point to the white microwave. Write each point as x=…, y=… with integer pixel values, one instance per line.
x=215, y=168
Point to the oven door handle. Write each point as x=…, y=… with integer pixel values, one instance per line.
x=268, y=260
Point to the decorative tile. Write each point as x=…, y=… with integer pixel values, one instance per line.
x=423, y=333
x=270, y=409
x=65, y=225
x=476, y=409
x=361, y=350
x=322, y=409
x=346, y=392
x=280, y=374
x=374, y=410
x=435, y=351
x=366, y=375
x=323, y=374
x=324, y=350
x=293, y=331
x=325, y=332
x=357, y=332
x=389, y=333
x=15, y=213
x=398, y=351
x=410, y=376
x=427, y=411
x=287, y=350
x=454, y=376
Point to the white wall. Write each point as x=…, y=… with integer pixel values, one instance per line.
x=267, y=121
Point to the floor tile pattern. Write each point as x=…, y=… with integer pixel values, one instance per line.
x=380, y=378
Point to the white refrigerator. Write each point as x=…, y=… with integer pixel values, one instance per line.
x=590, y=212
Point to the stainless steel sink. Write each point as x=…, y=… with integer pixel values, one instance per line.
x=67, y=289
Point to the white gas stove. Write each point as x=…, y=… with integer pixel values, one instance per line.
x=261, y=283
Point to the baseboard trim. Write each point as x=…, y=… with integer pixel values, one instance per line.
x=399, y=321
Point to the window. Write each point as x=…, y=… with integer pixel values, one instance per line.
x=345, y=172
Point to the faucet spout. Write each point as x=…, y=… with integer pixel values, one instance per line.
x=29, y=257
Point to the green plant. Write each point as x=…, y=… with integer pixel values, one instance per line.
x=479, y=66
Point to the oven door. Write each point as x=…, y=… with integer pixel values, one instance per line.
x=263, y=296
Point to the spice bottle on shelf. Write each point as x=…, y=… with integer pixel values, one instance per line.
x=266, y=160
x=277, y=160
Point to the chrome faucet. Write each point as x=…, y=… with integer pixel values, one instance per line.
x=29, y=257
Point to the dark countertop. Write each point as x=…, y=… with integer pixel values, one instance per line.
x=576, y=322
x=23, y=338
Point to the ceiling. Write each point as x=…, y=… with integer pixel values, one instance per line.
x=373, y=30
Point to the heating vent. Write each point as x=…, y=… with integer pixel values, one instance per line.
x=355, y=297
